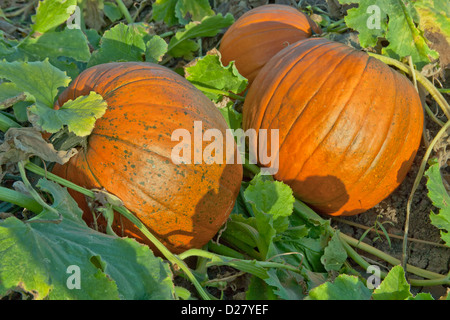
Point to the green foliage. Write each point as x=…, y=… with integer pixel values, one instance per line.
x=181, y=11
x=394, y=21
x=182, y=45
x=441, y=200
x=36, y=257
x=209, y=72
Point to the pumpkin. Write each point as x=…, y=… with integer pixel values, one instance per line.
x=129, y=154
x=260, y=33
x=349, y=126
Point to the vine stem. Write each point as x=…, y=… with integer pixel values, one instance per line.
x=20, y=199
x=172, y=258
x=415, y=186
x=124, y=11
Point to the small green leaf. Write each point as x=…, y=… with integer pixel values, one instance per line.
x=188, y=10
x=164, y=10
x=180, y=44
x=393, y=287
x=52, y=13
x=112, y=11
x=334, y=254
x=78, y=115
x=270, y=197
x=232, y=117
x=155, y=49
x=441, y=200
x=39, y=79
x=120, y=43
x=344, y=287
x=209, y=72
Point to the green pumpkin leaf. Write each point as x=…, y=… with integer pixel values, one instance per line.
x=155, y=49
x=344, y=287
x=174, y=12
x=187, y=10
x=441, y=200
x=39, y=79
x=120, y=43
x=334, y=254
x=209, y=72
x=68, y=260
x=164, y=10
x=181, y=45
x=394, y=21
x=53, y=44
x=52, y=13
x=394, y=286
x=79, y=115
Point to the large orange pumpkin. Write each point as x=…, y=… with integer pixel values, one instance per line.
x=261, y=33
x=129, y=154
x=349, y=126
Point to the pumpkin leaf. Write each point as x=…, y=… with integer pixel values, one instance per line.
x=120, y=43
x=164, y=10
x=53, y=44
x=52, y=13
x=187, y=10
x=334, y=254
x=181, y=45
x=39, y=79
x=441, y=199
x=344, y=287
x=155, y=49
x=174, y=12
x=209, y=72
x=112, y=11
x=394, y=286
x=85, y=264
x=79, y=115
x=395, y=21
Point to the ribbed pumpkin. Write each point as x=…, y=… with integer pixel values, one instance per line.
x=129, y=154
x=261, y=33
x=349, y=126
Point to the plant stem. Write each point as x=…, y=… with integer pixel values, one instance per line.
x=124, y=11
x=20, y=199
x=394, y=261
x=358, y=225
x=6, y=123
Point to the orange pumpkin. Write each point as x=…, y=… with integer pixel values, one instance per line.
x=261, y=33
x=349, y=126
x=129, y=154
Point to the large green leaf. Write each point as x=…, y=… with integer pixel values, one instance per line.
x=68, y=260
x=52, y=13
x=393, y=20
x=39, y=79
